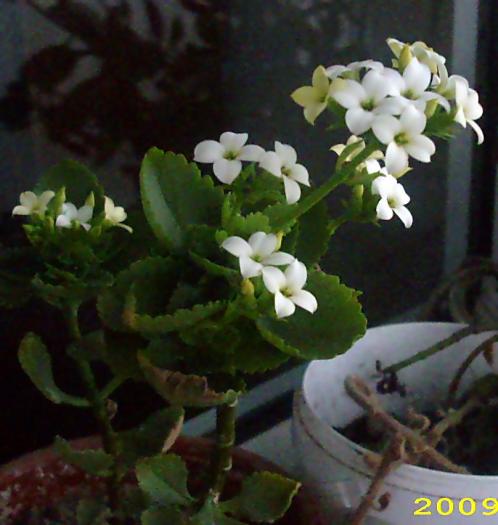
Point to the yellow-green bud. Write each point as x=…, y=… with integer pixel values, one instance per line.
x=90, y=200
x=247, y=288
x=405, y=57
x=431, y=108
x=280, y=236
x=58, y=200
x=358, y=191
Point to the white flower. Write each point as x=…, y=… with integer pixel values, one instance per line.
x=283, y=164
x=353, y=68
x=364, y=101
x=467, y=105
x=71, y=215
x=314, y=98
x=339, y=148
x=403, y=137
x=116, y=215
x=393, y=198
x=227, y=154
x=411, y=87
x=288, y=289
x=33, y=204
x=256, y=253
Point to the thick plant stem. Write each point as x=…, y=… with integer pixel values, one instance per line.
x=317, y=195
x=222, y=456
x=99, y=408
x=428, y=352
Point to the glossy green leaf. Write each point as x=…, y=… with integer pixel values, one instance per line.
x=37, y=363
x=264, y=498
x=212, y=514
x=164, y=479
x=163, y=516
x=95, y=462
x=330, y=331
x=313, y=237
x=175, y=195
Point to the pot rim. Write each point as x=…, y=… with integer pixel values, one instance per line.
x=405, y=472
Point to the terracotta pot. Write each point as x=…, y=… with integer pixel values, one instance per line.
x=41, y=479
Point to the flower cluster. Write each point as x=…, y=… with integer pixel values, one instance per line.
x=68, y=215
x=259, y=256
x=227, y=156
x=393, y=106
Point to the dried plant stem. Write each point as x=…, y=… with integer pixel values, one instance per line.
x=99, y=408
x=221, y=463
x=361, y=393
x=455, y=384
x=391, y=459
x=434, y=349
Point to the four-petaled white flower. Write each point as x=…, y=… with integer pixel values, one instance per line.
x=314, y=98
x=71, y=215
x=283, y=164
x=256, y=253
x=364, y=101
x=393, y=198
x=32, y=203
x=227, y=154
x=411, y=87
x=287, y=287
x=467, y=105
x=403, y=137
x=116, y=215
x=352, y=69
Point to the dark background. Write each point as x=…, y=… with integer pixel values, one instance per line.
x=102, y=81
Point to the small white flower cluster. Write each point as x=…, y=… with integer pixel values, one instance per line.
x=259, y=256
x=70, y=216
x=227, y=156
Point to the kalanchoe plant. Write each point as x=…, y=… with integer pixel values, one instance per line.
x=231, y=285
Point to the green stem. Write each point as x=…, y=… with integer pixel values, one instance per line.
x=313, y=198
x=221, y=463
x=99, y=408
x=434, y=349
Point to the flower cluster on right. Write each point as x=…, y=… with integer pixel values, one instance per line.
x=394, y=105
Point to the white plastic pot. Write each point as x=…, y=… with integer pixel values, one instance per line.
x=334, y=466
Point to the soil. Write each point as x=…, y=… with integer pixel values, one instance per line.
x=40, y=489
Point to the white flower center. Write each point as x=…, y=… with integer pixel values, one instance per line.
x=402, y=139
x=231, y=155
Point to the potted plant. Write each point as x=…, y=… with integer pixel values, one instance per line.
x=400, y=429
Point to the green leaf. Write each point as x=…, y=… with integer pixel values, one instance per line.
x=330, y=331
x=156, y=434
x=164, y=479
x=212, y=514
x=95, y=462
x=90, y=347
x=120, y=355
x=234, y=223
x=17, y=268
x=264, y=498
x=92, y=512
x=78, y=180
x=182, y=389
x=37, y=363
x=163, y=516
x=314, y=235
x=175, y=195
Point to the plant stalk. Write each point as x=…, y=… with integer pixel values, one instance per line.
x=99, y=408
x=428, y=352
x=221, y=463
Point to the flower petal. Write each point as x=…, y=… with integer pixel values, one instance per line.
x=358, y=120
x=478, y=130
x=208, y=151
x=63, y=222
x=273, y=278
x=28, y=199
x=421, y=148
x=227, y=170
x=249, y=267
x=385, y=128
x=305, y=300
x=237, y=246
x=45, y=198
x=313, y=111
x=70, y=211
x=86, y=226
x=300, y=174
x=412, y=120
x=21, y=210
x=305, y=96
x=349, y=94
x=404, y=214
x=396, y=158
x=292, y=190
x=286, y=153
x=233, y=141
x=320, y=80
x=85, y=213
x=251, y=153
x=417, y=76
x=296, y=275
x=263, y=244
x=278, y=259
x=384, y=211
x=272, y=163
x=375, y=85
x=283, y=306
x=384, y=186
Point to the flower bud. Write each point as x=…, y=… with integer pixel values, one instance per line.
x=280, y=236
x=58, y=200
x=247, y=288
x=90, y=200
x=405, y=57
x=431, y=108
